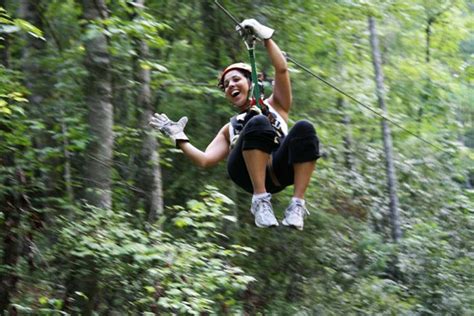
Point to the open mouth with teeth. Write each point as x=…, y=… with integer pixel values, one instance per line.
x=235, y=93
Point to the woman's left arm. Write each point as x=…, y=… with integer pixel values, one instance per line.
x=281, y=98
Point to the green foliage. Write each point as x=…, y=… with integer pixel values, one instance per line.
x=9, y=25
x=204, y=255
x=154, y=270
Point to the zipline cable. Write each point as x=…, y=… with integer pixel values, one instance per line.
x=307, y=70
x=228, y=14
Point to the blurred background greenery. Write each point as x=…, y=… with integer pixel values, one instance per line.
x=100, y=215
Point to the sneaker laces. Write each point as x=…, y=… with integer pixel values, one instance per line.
x=266, y=206
x=297, y=209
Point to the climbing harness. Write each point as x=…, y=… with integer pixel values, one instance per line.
x=238, y=122
x=250, y=48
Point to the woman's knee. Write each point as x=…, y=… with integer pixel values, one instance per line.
x=258, y=127
x=303, y=128
x=303, y=143
x=258, y=133
x=258, y=122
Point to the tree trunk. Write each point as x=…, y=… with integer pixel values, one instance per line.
x=67, y=159
x=425, y=95
x=387, y=137
x=39, y=80
x=4, y=56
x=32, y=50
x=347, y=139
x=428, y=40
x=212, y=34
x=98, y=167
x=430, y=20
x=4, y=43
x=346, y=121
x=14, y=202
x=149, y=173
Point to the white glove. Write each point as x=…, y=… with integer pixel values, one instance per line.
x=261, y=31
x=175, y=130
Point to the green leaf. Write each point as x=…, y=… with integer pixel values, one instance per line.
x=230, y=218
x=29, y=28
x=4, y=107
x=43, y=300
x=81, y=295
x=190, y=292
x=174, y=292
x=183, y=222
x=150, y=289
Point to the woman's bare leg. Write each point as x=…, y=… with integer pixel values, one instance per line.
x=256, y=162
x=303, y=173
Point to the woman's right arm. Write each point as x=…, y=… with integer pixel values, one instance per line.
x=215, y=152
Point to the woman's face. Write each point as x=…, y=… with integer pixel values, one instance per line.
x=236, y=88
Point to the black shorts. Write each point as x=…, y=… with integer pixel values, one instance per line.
x=300, y=145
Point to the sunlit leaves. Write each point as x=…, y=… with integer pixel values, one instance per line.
x=9, y=25
x=146, y=64
x=204, y=216
x=4, y=107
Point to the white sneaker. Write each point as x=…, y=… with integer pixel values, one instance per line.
x=263, y=211
x=294, y=215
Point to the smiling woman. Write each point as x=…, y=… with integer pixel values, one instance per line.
x=263, y=157
x=235, y=81
x=236, y=87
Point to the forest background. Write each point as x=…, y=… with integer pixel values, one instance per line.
x=101, y=215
